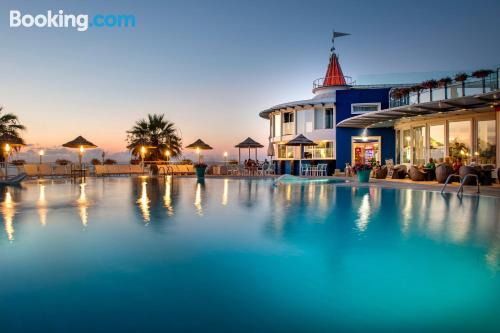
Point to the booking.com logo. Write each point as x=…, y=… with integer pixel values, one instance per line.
x=81, y=22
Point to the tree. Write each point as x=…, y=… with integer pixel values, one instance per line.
x=461, y=77
x=482, y=74
x=430, y=84
x=157, y=134
x=10, y=125
x=444, y=82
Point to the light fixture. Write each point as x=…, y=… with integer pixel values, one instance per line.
x=7, y=147
x=143, y=149
x=167, y=153
x=225, y=154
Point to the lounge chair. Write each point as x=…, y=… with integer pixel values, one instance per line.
x=466, y=170
x=136, y=169
x=382, y=172
x=399, y=172
x=123, y=169
x=99, y=170
x=442, y=172
x=31, y=170
x=417, y=175
x=16, y=180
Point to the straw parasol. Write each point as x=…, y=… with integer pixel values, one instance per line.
x=270, y=149
x=9, y=140
x=199, y=145
x=300, y=141
x=81, y=143
x=248, y=143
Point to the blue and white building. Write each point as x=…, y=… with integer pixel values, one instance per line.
x=354, y=123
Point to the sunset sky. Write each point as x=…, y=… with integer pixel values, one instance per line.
x=211, y=66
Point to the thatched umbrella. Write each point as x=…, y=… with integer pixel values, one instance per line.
x=8, y=141
x=199, y=145
x=270, y=149
x=81, y=143
x=300, y=141
x=248, y=143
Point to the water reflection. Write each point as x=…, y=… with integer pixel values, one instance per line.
x=8, y=212
x=42, y=205
x=200, y=187
x=225, y=191
x=363, y=213
x=144, y=201
x=167, y=198
x=83, y=204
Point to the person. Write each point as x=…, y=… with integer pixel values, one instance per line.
x=457, y=164
x=430, y=164
x=447, y=161
x=473, y=162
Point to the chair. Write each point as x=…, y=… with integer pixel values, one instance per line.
x=322, y=169
x=135, y=169
x=416, y=175
x=465, y=170
x=305, y=169
x=123, y=169
x=382, y=172
x=442, y=172
x=399, y=172
x=190, y=169
x=99, y=170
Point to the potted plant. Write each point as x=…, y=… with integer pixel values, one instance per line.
x=444, y=82
x=461, y=77
x=429, y=84
x=482, y=74
x=200, y=170
x=418, y=90
x=363, y=172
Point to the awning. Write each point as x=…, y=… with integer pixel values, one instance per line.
x=386, y=118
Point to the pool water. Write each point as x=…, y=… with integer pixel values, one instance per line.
x=234, y=255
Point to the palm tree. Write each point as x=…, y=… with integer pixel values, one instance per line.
x=418, y=89
x=156, y=133
x=10, y=126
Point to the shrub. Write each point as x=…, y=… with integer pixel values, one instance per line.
x=62, y=161
x=95, y=161
x=109, y=161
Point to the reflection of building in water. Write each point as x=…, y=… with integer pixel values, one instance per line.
x=225, y=192
x=8, y=212
x=83, y=205
x=42, y=205
x=167, y=199
x=144, y=201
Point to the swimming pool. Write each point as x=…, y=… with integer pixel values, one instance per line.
x=235, y=255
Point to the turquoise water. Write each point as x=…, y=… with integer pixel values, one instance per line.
x=142, y=255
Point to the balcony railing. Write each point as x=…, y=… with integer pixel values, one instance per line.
x=288, y=128
x=470, y=87
x=320, y=83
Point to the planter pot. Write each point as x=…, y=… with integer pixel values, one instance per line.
x=364, y=176
x=200, y=172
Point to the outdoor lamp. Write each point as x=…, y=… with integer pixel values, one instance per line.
x=167, y=153
x=7, y=148
x=41, y=152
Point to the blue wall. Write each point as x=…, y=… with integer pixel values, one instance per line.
x=343, y=110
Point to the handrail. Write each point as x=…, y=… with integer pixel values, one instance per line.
x=462, y=182
x=319, y=83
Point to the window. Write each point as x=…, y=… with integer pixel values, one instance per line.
x=436, y=143
x=419, y=145
x=359, y=108
x=398, y=146
x=319, y=114
x=486, y=142
x=288, y=123
x=323, y=150
x=288, y=117
x=277, y=125
x=285, y=151
x=406, y=153
x=328, y=118
x=459, y=139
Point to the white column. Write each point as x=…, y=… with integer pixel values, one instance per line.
x=498, y=137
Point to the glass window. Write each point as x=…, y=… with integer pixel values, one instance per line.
x=288, y=123
x=323, y=149
x=309, y=120
x=281, y=151
x=486, y=142
x=436, y=143
x=363, y=108
x=419, y=145
x=277, y=125
x=459, y=139
x=329, y=118
x=301, y=122
x=318, y=119
x=406, y=153
x=288, y=117
x=398, y=147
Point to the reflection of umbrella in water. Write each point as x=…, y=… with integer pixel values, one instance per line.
x=199, y=145
x=80, y=143
x=8, y=141
x=301, y=141
x=248, y=143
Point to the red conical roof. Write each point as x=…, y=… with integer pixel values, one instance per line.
x=334, y=75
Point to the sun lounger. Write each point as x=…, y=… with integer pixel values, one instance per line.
x=44, y=170
x=135, y=169
x=123, y=169
x=31, y=170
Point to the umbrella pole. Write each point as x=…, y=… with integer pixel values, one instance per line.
x=248, y=152
x=256, y=154
x=239, y=156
